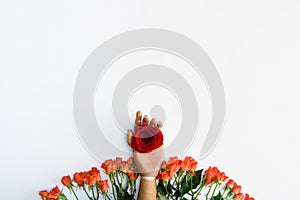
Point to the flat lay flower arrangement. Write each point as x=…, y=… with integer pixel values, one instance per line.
x=177, y=179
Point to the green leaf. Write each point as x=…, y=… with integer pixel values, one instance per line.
x=129, y=197
x=218, y=197
x=169, y=187
x=62, y=197
x=177, y=193
x=161, y=188
x=191, y=182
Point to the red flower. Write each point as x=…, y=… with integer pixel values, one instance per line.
x=230, y=183
x=66, y=180
x=44, y=194
x=95, y=173
x=124, y=166
x=238, y=196
x=247, y=197
x=188, y=163
x=208, y=180
x=193, y=165
x=79, y=177
x=89, y=178
x=165, y=175
x=173, y=167
x=54, y=193
x=236, y=189
x=118, y=161
x=174, y=164
x=214, y=174
x=109, y=166
x=146, y=139
x=223, y=177
x=163, y=165
x=103, y=185
x=173, y=159
x=130, y=161
x=132, y=175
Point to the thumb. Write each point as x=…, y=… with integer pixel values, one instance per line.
x=129, y=137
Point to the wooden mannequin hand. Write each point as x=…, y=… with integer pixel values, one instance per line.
x=148, y=164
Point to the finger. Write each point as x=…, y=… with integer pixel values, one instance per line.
x=146, y=119
x=129, y=137
x=159, y=124
x=138, y=118
x=153, y=121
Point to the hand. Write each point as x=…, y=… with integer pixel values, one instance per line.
x=148, y=164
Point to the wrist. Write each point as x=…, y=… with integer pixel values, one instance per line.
x=148, y=178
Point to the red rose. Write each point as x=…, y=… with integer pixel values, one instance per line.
x=146, y=138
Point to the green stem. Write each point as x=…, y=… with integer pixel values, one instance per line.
x=86, y=192
x=97, y=190
x=120, y=192
x=173, y=181
x=74, y=193
x=126, y=182
x=134, y=186
x=181, y=174
x=166, y=187
x=230, y=195
x=122, y=176
x=192, y=189
x=208, y=191
x=224, y=193
x=199, y=190
x=113, y=183
x=92, y=188
x=215, y=190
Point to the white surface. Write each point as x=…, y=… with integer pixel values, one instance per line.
x=254, y=44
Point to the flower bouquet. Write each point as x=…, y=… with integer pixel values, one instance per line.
x=177, y=179
x=119, y=183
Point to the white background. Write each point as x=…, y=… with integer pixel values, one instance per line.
x=254, y=44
